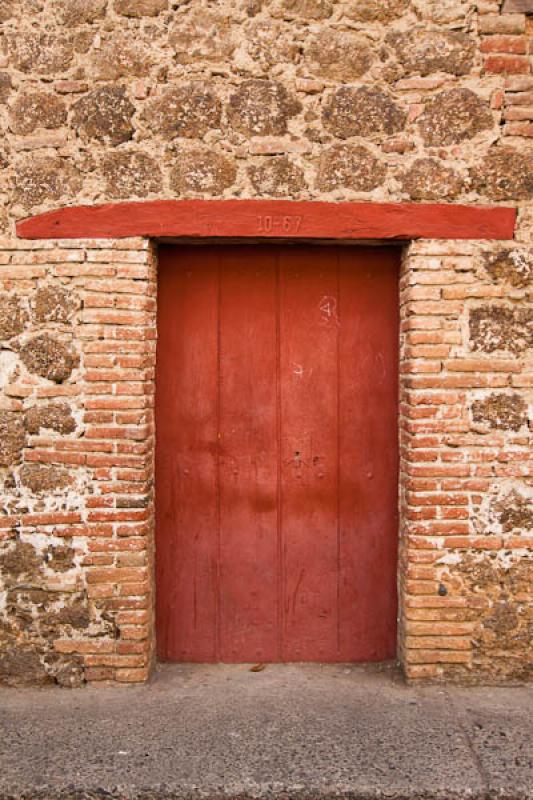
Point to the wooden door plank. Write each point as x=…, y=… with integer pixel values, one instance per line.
x=368, y=418
x=276, y=461
x=186, y=433
x=248, y=456
x=309, y=433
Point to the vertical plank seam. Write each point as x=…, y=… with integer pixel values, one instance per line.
x=218, y=448
x=161, y=636
x=338, y=451
x=279, y=532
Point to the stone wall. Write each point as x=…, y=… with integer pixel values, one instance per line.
x=389, y=100
x=349, y=99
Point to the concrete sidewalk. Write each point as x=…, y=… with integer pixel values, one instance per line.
x=302, y=731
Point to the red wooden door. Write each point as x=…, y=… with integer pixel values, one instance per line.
x=277, y=455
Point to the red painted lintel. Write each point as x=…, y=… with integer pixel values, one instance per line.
x=271, y=219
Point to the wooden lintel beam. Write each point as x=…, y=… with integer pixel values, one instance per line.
x=271, y=219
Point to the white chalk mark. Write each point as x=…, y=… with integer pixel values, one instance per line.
x=298, y=369
x=328, y=309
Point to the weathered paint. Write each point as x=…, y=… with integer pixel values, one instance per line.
x=269, y=219
x=277, y=456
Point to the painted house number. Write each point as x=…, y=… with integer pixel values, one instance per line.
x=270, y=223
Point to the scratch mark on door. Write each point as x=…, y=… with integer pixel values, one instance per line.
x=328, y=310
x=297, y=589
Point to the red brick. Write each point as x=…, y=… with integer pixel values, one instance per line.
x=97, y=674
x=519, y=129
x=115, y=575
x=132, y=675
x=84, y=646
x=504, y=44
x=507, y=65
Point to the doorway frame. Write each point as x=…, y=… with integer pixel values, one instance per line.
x=376, y=616
x=425, y=232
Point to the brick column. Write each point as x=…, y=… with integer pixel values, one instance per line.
x=78, y=323
x=466, y=571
